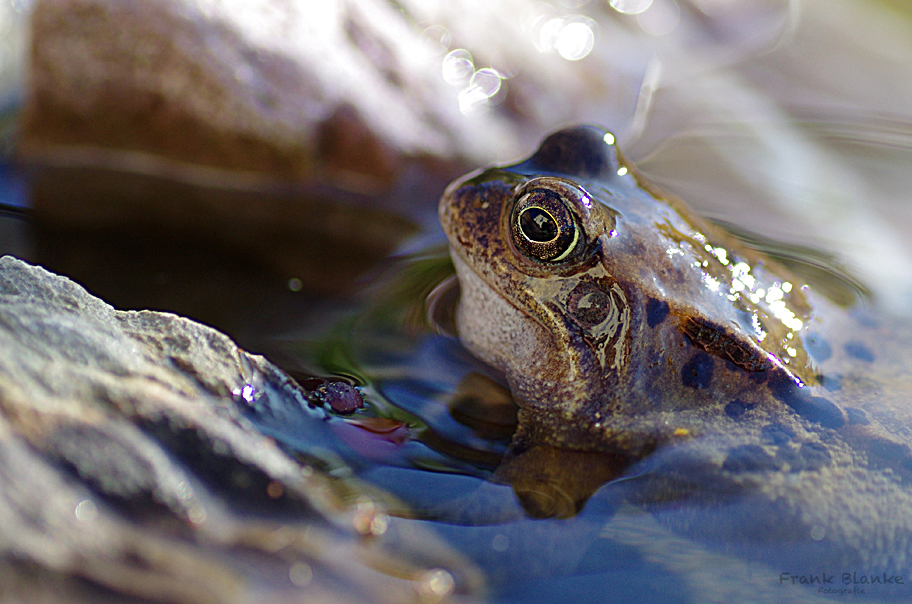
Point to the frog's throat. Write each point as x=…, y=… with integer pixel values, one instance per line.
x=540, y=369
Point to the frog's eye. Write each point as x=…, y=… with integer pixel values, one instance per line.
x=544, y=228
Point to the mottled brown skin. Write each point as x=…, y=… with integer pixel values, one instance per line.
x=654, y=348
x=656, y=337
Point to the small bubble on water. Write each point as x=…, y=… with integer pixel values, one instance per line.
x=300, y=574
x=197, y=514
x=369, y=521
x=275, y=489
x=488, y=81
x=435, y=585
x=575, y=41
x=500, y=543
x=22, y=6
x=86, y=511
x=437, y=38
x=630, y=7
x=458, y=66
x=184, y=490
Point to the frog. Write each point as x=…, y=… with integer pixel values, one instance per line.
x=625, y=324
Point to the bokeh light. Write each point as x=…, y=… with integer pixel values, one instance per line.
x=630, y=7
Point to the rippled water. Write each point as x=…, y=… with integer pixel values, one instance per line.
x=434, y=435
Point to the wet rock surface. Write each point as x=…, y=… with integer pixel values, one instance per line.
x=285, y=99
x=126, y=471
x=285, y=88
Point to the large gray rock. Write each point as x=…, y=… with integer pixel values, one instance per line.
x=127, y=470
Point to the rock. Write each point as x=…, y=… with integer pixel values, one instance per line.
x=294, y=89
x=127, y=470
x=245, y=96
x=272, y=90
x=312, y=137
x=341, y=397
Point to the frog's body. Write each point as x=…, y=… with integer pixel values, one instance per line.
x=626, y=324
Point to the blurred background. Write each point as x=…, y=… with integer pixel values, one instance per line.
x=240, y=162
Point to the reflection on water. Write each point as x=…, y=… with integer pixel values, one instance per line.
x=435, y=434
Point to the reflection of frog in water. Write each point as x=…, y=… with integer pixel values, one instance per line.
x=626, y=325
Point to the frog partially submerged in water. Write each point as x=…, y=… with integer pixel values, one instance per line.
x=626, y=324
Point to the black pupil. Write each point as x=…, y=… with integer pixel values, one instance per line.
x=538, y=225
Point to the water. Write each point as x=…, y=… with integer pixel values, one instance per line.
x=434, y=435
x=541, y=523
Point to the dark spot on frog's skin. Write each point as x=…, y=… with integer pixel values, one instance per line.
x=808, y=457
x=788, y=455
x=813, y=456
x=713, y=339
x=734, y=410
x=737, y=408
x=857, y=417
x=698, y=371
x=776, y=434
x=749, y=458
x=859, y=351
x=656, y=311
x=812, y=408
x=866, y=319
x=817, y=347
x=758, y=378
x=832, y=384
x=589, y=304
x=817, y=409
x=891, y=454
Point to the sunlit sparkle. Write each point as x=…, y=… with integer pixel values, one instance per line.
x=711, y=283
x=457, y=67
x=86, y=511
x=570, y=36
x=248, y=392
x=758, y=328
x=630, y=7
x=575, y=41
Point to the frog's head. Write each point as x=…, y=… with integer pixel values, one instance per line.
x=601, y=299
